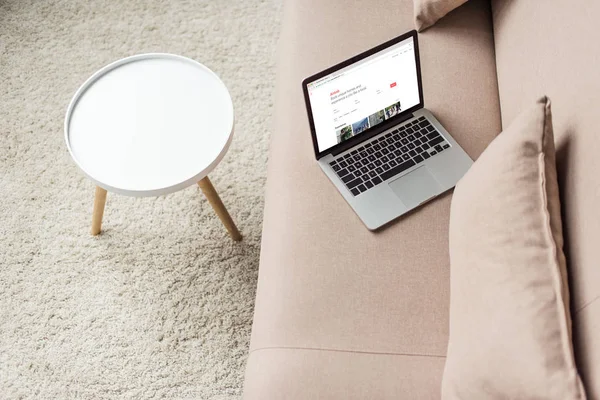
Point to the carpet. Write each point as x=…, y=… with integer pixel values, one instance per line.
x=159, y=305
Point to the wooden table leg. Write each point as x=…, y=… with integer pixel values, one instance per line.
x=216, y=203
x=99, y=203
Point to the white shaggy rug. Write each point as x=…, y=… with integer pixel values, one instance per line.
x=160, y=305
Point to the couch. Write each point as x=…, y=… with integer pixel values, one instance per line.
x=345, y=313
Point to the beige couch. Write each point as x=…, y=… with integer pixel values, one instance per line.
x=344, y=313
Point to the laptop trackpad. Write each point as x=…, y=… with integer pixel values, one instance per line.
x=416, y=187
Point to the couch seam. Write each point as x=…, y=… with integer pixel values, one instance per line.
x=586, y=305
x=345, y=351
x=562, y=309
x=496, y=67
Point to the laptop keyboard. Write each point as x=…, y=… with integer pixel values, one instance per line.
x=389, y=155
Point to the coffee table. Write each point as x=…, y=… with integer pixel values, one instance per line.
x=149, y=125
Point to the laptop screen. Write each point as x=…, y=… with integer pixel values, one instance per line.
x=364, y=94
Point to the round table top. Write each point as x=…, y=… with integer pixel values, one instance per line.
x=149, y=124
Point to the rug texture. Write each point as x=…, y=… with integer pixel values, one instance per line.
x=160, y=304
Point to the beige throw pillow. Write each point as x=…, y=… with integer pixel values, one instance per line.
x=510, y=327
x=428, y=12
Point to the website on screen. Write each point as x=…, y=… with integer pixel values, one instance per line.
x=365, y=94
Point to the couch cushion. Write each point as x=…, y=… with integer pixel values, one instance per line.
x=309, y=374
x=428, y=12
x=325, y=281
x=554, y=50
x=509, y=297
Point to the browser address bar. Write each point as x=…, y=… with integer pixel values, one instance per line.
x=364, y=64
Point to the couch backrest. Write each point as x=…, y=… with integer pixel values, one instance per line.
x=553, y=48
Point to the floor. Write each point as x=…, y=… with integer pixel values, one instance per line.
x=160, y=305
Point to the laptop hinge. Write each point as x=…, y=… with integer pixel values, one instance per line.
x=375, y=132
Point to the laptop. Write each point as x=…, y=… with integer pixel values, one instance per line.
x=384, y=152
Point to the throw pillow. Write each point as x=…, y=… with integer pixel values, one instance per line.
x=428, y=12
x=510, y=326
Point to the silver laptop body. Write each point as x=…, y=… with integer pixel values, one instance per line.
x=384, y=152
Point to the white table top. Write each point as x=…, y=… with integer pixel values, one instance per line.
x=149, y=124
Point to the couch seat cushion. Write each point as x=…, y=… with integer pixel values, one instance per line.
x=326, y=283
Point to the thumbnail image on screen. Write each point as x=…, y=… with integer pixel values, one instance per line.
x=344, y=134
x=392, y=110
